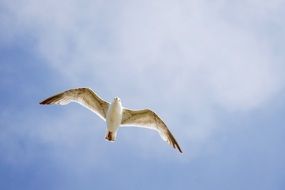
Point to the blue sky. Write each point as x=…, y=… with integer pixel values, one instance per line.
x=213, y=70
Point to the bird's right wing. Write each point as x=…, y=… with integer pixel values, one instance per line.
x=148, y=119
x=84, y=96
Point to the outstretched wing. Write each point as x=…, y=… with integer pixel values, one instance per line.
x=84, y=96
x=148, y=119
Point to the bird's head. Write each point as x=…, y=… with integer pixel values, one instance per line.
x=117, y=99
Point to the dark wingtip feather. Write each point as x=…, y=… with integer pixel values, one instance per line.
x=179, y=148
x=44, y=102
x=51, y=100
x=175, y=145
x=174, y=142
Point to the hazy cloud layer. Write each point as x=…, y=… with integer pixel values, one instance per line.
x=183, y=47
x=213, y=70
x=200, y=55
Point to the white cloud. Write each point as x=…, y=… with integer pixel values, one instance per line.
x=196, y=53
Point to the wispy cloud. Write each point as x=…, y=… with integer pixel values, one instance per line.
x=210, y=69
x=197, y=54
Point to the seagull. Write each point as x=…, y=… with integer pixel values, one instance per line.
x=113, y=113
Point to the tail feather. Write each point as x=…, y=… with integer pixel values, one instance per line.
x=110, y=136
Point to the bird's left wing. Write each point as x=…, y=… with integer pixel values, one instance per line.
x=84, y=96
x=148, y=119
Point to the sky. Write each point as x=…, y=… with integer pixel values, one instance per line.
x=213, y=71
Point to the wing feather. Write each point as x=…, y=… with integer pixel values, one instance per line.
x=149, y=119
x=84, y=96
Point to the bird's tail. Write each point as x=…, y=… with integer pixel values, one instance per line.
x=111, y=136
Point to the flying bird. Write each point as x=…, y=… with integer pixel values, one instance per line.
x=114, y=114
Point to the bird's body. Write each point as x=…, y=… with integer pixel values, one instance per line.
x=114, y=113
x=114, y=119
